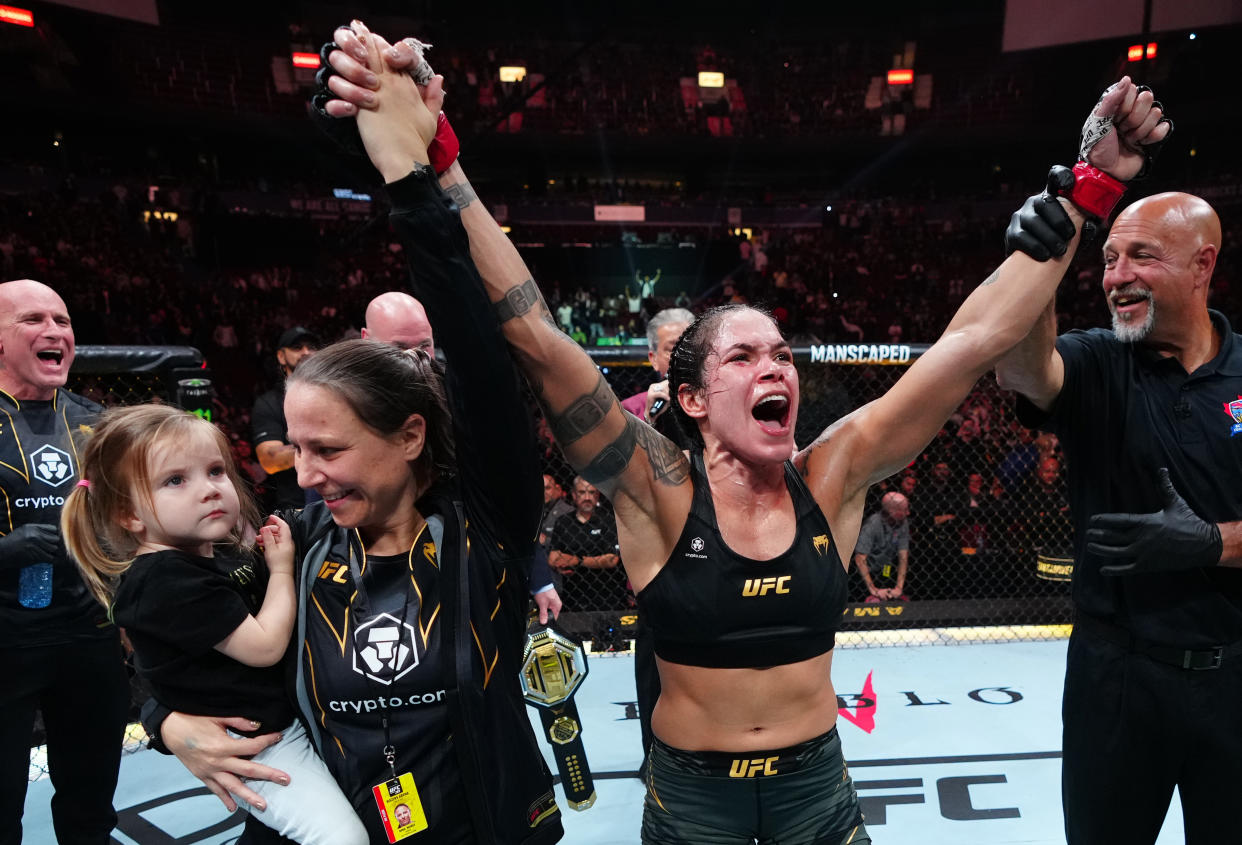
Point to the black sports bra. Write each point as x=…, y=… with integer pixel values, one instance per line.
x=709, y=606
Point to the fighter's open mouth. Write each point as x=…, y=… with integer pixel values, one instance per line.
x=772, y=408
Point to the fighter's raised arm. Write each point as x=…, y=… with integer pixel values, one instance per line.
x=885, y=435
x=640, y=470
x=1120, y=137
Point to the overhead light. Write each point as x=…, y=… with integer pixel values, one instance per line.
x=16, y=16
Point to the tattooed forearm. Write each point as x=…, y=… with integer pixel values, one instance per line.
x=520, y=301
x=461, y=194
x=668, y=464
x=608, y=465
x=583, y=415
x=995, y=277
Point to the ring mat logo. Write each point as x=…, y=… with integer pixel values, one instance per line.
x=385, y=649
x=52, y=466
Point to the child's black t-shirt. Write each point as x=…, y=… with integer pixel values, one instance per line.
x=176, y=607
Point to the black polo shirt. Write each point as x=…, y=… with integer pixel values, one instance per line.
x=267, y=422
x=1124, y=412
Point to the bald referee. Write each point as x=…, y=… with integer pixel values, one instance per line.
x=1150, y=417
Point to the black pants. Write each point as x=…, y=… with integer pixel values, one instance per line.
x=1135, y=728
x=646, y=681
x=82, y=690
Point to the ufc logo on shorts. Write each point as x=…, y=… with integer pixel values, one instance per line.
x=742, y=768
x=763, y=586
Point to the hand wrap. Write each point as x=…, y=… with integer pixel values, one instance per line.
x=1096, y=128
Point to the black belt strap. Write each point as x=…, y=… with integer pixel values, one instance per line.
x=1209, y=657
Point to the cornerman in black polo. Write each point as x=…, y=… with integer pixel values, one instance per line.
x=267, y=421
x=1150, y=416
x=59, y=654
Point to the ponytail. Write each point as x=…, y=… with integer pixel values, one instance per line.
x=82, y=532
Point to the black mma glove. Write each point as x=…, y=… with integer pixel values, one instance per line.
x=30, y=544
x=1041, y=228
x=1096, y=127
x=1171, y=539
x=342, y=131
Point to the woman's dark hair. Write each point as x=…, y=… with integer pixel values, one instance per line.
x=688, y=363
x=384, y=385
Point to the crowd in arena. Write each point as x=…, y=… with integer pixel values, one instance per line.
x=987, y=491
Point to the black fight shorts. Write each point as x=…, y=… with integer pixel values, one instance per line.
x=793, y=796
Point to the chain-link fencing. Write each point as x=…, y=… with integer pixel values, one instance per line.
x=987, y=537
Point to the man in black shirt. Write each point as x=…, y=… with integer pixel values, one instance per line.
x=583, y=548
x=1150, y=417
x=59, y=654
x=267, y=421
x=1043, y=499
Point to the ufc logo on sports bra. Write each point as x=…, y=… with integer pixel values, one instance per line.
x=763, y=586
x=742, y=768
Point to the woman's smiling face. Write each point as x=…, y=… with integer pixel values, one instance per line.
x=364, y=477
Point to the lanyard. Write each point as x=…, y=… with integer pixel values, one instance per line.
x=362, y=607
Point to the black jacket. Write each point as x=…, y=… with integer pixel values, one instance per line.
x=39, y=447
x=494, y=500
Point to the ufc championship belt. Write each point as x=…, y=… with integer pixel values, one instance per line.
x=553, y=667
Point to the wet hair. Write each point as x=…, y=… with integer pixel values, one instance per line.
x=116, y=466
x=383, y=386
x=688, y=363
x=664, y=318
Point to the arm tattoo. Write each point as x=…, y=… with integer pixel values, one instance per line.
x=995, y=277
x=615, y=457
x=583, y=415
x=523, y=299
x=520, y=301
x=668, y=465
x=461, y=194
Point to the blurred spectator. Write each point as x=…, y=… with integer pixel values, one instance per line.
x=1048, y=526
x=883, y=551
x=554, y=507
x=267, y=420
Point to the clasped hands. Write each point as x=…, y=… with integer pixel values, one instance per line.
x=397, y=119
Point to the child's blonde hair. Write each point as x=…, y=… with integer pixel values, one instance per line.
x=115, y=466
